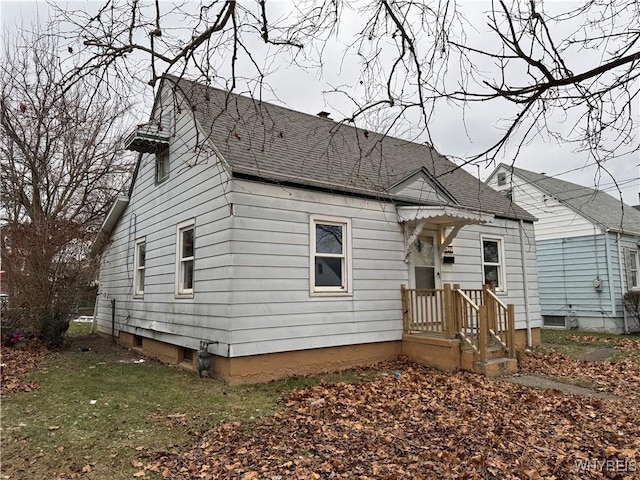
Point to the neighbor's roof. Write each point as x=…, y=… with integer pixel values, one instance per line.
x=275, y=143
x=597, y=206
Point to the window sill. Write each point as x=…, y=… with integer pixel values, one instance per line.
x=139, y=296
x=183, y=295
x=331, y=294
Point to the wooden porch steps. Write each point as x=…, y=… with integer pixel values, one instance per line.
x=496, y=367
x=497, y=363
x=459, y=329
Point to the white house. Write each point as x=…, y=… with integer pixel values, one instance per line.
x=588, y=245
x=284, y=238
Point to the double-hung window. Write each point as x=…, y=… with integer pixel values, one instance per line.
x=330, y=265
x=185, y=259
x=493, y=263
x=139, y=267
x=634, y=270
x=162, y=165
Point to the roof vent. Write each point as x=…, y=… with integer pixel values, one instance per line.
x=502, y=178
x=323, y=114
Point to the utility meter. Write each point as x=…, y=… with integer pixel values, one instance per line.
x=597, y=284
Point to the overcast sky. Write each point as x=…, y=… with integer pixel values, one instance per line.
x=307, y=92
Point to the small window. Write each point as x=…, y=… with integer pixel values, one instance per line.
x=330, y=255
x=493, y=263
x=634, y=271
x=139, y=262
x=185, y=259
x=502, y=178
x=162, y=165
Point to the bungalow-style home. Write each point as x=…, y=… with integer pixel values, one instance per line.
x=588, y=246
x=291, y=244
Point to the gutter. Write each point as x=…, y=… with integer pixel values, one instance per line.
x=612, y=296
x=523, y=258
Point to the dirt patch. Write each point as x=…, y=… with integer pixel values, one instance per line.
x=98, y=344
x=546, y=383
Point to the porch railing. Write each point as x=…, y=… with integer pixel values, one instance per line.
x=476, y=316
x=424, y=311
x=501, y=319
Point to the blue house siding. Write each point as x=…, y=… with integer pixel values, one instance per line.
x=567, y=270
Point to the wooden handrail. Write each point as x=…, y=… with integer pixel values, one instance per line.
x=469, y=301
x=496, y=299
x=475, y=316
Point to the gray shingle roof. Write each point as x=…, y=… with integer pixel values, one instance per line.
x=595, y=205
x=279, y=144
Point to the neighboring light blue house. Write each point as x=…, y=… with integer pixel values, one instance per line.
x=588, y=246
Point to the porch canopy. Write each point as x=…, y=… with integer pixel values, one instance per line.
x=442, y=217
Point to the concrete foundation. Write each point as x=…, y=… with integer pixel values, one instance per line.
x=441, y=353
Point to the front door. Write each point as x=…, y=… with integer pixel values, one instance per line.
x=424, y=266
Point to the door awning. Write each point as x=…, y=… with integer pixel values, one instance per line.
x=443, y=215
x=440, y=217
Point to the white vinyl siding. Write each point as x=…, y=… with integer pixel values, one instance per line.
x=139, y=263
x=185, y=259
x=194, y=191
x=493, y=263
x=554, y=219
x=330, y=255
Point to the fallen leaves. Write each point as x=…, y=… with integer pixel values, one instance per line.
x=620, y=378
x=16, y=363
x=422, y=424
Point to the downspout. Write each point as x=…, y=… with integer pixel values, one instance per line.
x=523, y=258
x=612, y=295
x=625, y=324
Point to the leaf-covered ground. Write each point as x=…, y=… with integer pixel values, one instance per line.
x=425, y=424
x=16, y=362
x=417, y=424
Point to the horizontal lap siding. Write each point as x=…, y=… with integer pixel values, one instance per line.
x=195, y=189
x=467, y=269
x=554, y=219
x=271, y=307
x=567, y=269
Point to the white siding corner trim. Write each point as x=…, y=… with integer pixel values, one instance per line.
x=330, y=256
x=185, y=259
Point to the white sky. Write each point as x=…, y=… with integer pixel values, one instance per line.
x=304, y=91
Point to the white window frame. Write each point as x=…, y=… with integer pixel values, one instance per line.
x=502, y=277
x=634, y=274
x=347, y=268
x=162, y=158
x=180, y=290
x=139, y=270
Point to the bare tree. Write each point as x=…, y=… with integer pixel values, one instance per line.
x=579, y=60
x=61, y=168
